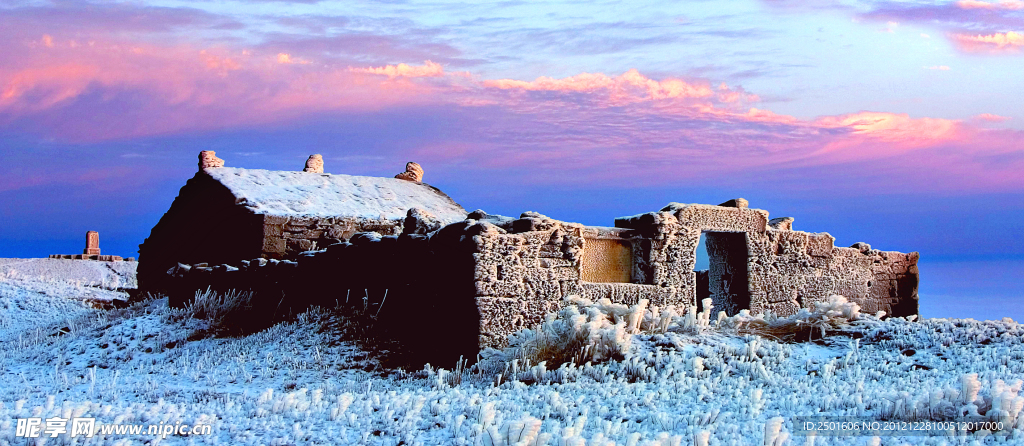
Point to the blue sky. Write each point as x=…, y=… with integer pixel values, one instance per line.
x=894, y=123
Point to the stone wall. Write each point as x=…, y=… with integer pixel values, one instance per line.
x=525, y=268
x=206, y=224
x=286, y=237
x=785, y=269
x=470, y=284
x=412, y=291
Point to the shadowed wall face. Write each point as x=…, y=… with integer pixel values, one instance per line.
x=727, y=271
x=606, y=261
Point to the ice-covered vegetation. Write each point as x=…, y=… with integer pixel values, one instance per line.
x=596, y=373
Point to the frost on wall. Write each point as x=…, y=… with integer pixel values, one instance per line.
x=606, y=260
x=505, y=274
x=528, y=269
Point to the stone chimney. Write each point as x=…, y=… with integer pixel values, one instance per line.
x=314, y=164
x=413, y=172
x=92, y=243
x=208, y=160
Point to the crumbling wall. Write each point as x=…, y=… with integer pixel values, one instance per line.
x=469, y=284
x=785, y=269
x=795, y=268
x=521, y=270
x=525, y=268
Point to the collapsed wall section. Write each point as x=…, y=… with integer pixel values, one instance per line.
x=526, y=268
x=784, y=269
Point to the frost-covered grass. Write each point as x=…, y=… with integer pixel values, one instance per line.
x=650, y=377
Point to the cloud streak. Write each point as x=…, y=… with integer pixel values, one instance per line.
x=975, y=4
x=973, y=26
x=428, y=69
x=995, y=43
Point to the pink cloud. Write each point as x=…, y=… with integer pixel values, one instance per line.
x=591, y=126
x=989, y=117
x=768, y=116
x=975, y=4
x=891, y=126
x=890, y=27
x=428, y=69
x=998, y=42
x=175, y=88
x=874, y=135
x=629, y=87
x=286, y=58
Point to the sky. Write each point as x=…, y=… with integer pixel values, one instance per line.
x=899, y=124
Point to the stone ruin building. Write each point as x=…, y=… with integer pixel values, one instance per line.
x=465, y=280
x=92, y=251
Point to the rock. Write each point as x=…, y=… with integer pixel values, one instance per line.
x=315, y=164
x=862, y=247
x=413, y=172
x=419, y=221
x=364, y=238
x=736, y=203
x=483, y=228
x=673, y=207
x=500, y=221
x=533, y=221
x=781, y=223
x=208, y=160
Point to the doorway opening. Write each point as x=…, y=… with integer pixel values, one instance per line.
x=721, y=268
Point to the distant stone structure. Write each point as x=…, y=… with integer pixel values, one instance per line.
x=92, y=251
x=468, y=280
x=92, y=243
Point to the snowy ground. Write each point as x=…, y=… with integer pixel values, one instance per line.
x=301, y=382
x=36, y=293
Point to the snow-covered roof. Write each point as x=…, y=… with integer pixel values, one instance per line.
x=305, y=194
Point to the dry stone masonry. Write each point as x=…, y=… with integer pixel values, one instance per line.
x=483, y=276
